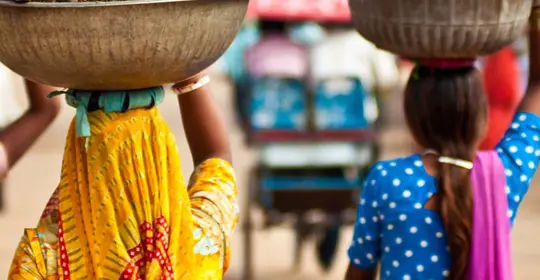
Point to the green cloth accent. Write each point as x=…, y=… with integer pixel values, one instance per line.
x=109, y=101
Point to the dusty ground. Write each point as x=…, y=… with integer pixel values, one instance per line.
x=33, y=180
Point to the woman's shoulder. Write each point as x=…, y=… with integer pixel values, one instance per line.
x=522, y=121
x=528, y=118
x=393, y=170
x=398, y=164
x=521, y=140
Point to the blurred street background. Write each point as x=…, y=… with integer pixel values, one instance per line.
x=30, y=184
x=305, y=76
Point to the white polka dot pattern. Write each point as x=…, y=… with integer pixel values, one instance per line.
x=520, y=153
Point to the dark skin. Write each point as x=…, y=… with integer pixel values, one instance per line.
x=20, y=135
x=530, y=103
x=204, y=126
x=531, y=100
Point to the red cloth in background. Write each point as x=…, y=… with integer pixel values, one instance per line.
x=300, y=10
x=501, y=81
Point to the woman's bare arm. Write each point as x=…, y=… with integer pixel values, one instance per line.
x=19, y=136
x=531, y=101
x=204, y=126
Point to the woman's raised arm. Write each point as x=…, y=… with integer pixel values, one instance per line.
x=19, y=136
x=203, y=124
x=212, y=187
x=531, y=101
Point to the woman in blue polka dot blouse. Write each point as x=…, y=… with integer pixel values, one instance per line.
x=415, y=213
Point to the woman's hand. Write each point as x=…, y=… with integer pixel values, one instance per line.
x=203, y=124
x=19, y=136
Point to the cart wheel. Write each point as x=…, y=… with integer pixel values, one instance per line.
x=302, y=231
x=327, y=246
x=247, y=232
x=376, y=148
x=247, y=229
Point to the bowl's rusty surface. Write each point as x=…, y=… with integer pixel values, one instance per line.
x=441, y=28
x=116, y=45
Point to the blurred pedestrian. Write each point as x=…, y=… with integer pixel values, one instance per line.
x=18, y=136
x=376, y=69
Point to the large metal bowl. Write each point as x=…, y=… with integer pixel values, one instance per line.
x=116, y=45
x=441, y=28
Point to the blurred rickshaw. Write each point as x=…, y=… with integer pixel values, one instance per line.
x=312, y=113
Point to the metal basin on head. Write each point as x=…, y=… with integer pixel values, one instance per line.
x=441, y=28
x=116, y=45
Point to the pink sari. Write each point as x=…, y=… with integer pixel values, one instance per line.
x=490, y=257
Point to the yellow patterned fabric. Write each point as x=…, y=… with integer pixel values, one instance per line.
x=123, y=211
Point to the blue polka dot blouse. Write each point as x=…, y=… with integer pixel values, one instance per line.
x=393, y=227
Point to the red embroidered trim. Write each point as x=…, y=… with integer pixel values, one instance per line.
x=63, y=258
x=153, y=247
x=52, y=205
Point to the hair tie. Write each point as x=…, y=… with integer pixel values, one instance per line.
x=446, y=63
x=457, y=162
x=465, y=164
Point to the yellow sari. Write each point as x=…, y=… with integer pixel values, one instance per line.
x=122, y=210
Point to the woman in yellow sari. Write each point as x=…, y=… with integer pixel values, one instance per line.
x=121, y=209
